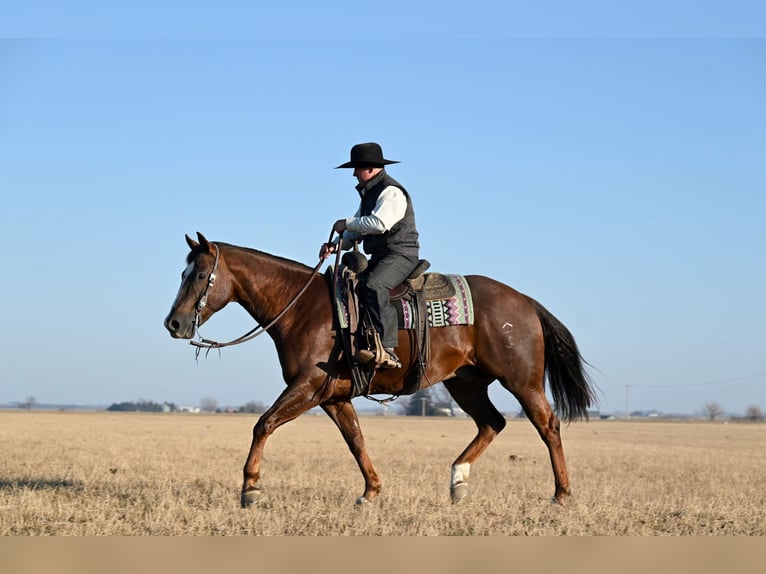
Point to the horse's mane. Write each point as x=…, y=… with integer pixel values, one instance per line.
x=289, y=263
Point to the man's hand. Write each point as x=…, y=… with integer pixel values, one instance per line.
x=339, y=226
x=326, y=250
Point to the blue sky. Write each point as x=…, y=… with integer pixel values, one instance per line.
x=616, y=177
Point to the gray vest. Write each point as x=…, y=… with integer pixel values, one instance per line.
x=402, y=238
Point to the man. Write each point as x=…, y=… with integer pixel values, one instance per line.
x=385, y=223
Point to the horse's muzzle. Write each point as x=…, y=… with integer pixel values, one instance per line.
x=179, y=328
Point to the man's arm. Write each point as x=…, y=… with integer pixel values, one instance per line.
x=388, y=211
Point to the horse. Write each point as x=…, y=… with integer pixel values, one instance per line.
x=513, y=339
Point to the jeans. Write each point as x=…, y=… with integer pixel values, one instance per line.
x=382, y=275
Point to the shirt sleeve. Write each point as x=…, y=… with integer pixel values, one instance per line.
x=388, y=211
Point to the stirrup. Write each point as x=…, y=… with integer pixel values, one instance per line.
x=389, y=361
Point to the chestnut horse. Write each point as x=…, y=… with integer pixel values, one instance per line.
x=514, y=339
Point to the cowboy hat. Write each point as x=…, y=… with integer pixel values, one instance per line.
x=366, y=155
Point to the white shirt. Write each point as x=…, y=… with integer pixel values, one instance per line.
x=388, y=211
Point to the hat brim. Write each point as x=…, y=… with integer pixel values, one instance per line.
x=366, y=163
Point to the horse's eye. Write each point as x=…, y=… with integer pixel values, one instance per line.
x=201, y=276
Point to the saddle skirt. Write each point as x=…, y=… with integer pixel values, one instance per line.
x=448, y=301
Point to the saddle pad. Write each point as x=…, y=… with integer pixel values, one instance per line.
x=454, y=310
x=444, y=312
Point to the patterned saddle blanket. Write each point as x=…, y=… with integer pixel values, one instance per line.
x=448, y=302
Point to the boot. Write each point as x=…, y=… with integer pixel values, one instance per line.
x=374, y=354
x=390, y=360
x=365, y=356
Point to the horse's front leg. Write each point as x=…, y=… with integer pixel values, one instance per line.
x=344, y=416
x=295, y=400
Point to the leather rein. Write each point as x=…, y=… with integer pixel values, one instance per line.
x=209, y=344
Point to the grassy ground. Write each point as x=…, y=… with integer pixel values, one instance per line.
x=169, y=474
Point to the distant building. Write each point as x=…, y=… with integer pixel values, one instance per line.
x=185, y=409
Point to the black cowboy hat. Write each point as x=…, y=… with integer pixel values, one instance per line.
x=366, y=155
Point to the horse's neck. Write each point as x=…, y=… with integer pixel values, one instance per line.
x=265, y=283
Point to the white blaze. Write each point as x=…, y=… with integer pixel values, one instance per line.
x=184, y=275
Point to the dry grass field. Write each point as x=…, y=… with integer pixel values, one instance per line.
x=172, y=474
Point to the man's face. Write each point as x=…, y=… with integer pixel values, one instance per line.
x=365, y=174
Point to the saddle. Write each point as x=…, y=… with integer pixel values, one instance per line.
x=418, y=288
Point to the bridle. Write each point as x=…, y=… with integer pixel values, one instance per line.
x=209, y=344
x=202, y=303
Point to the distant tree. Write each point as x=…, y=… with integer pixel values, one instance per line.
x=713, y=410
x=29, y=404
x=252, y=407
x=208, y=405
x=754, y=413
x=432, y=401
x=142, y=405
x=419, y=403
x=441, y=396
x=443, y=405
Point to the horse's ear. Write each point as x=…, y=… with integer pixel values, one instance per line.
x=190, y=242
x=203, y=241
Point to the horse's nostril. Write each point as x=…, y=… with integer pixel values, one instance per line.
x=171, y=324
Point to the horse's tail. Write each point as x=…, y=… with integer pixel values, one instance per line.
x=565, y=367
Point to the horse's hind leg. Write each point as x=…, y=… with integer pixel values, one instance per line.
x=344, y=416
x=539, y=412
x=470, y=393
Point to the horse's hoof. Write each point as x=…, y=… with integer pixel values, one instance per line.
x=362, y=501
x=249, y=498
x=459, y=491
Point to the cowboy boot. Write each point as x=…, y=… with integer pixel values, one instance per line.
x=365, y=356
x=375, y=353
x=389, y=360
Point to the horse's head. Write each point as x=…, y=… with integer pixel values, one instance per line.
x=204, y=289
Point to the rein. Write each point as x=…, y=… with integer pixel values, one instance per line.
x=258, y=329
